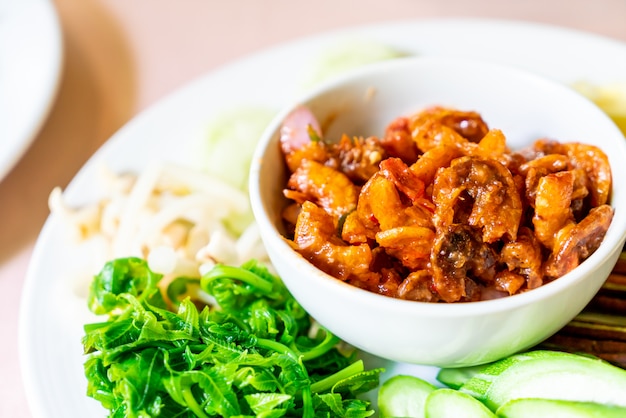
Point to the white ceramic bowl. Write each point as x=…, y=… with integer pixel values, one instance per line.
x=526, y=108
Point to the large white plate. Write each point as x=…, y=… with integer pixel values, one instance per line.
x=53, y=310
x=31, y=55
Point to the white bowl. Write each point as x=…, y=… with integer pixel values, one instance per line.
x=525, y=107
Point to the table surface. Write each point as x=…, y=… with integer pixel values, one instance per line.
x=122, y=56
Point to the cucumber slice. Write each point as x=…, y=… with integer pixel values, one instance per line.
x=551, y=408
x=548, y=375
x=450, y=403
x=455, y=378
x=345, y=56
x=403, y=396
x=231, y=138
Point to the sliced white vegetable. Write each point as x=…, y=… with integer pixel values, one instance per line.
x=550, y=408
x=182, y=179
x=450, y=403
x=221, y=248
x=124, y=240
x=403, y=396
x=548, y=375
x=162, y=259
x=250, y=245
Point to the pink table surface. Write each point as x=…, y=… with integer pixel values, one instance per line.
x=122, y=56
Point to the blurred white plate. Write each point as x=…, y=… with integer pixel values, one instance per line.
x=31, y=55
x=53, y=310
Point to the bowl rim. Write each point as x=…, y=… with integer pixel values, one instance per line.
x=271, y=236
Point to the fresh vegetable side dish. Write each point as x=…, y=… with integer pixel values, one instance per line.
x=438, y=209
x=180, y=219
x=195, y=323
x=255, y=352
x=534, y=384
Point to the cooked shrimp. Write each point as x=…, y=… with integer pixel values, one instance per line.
x=353, y=231
x=587, y=157
x=312, y=151
x=575, y=243
x=390, y=280
x=553, y=206
x=409, y=244
x=316, y=239
x=381, y=205
x=398, y=142
x=425, y=168
x=508, y=281
x=534, y=170
x=325, y=186
x=595, y=163
x=496, y=207
x=492, y=145
x=437, y=124
x=547, y=164
x=417, y=286
x=459, y=256
x=452, y=145
x=403, y=178
x=357, y=158
x=524, y=257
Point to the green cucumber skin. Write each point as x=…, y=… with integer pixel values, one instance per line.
x=403, y=396
x=551, y=408
x=548, y=374
x=450, y=403
x=457, y=377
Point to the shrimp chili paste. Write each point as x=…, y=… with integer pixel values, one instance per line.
x=438, y=209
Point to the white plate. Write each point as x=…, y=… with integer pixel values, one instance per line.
x=53, y=311
x=31, y=52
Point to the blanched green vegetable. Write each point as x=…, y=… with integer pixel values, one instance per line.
x=131, y=276
x=251, y=357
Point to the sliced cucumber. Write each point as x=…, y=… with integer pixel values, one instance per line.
x=455, y=378
x=450, y=403
x=548, y=375
x=231, y=138
x=345, y=56
x=551, y=408
x=403, y=396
